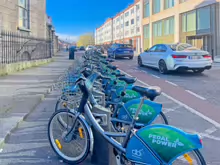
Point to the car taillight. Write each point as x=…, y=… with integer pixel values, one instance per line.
x=207, y=56
x=179, y=56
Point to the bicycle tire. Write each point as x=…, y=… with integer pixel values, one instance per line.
x=198, y=155
x=56, y=150
x=164, y=118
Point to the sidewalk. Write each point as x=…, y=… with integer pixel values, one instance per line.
x=21, y=92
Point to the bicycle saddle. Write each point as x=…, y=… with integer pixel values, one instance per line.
x=120, y=75
x=128, y=80
x=150, y=92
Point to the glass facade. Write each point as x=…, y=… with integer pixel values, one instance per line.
x=169, y=26
x=168, y=3
x=146, y=9
x=156, y=6
x=203, y=18
x=146, y=31
x=196, y=20
x=157, y=29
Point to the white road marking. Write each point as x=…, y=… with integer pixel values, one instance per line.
x=194, y=94
x=211, y=130
x=171, y=83
x=216, y=124
x=155, y=76
x=166, y=110
x=203, y=135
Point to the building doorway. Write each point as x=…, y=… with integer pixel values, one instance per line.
x=202, y=42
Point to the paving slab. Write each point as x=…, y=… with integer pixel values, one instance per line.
x=21, y=92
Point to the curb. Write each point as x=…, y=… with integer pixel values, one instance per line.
x=2, y=141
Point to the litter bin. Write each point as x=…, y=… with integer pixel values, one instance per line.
x=71, y=53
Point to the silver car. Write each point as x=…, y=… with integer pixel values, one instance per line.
x=170, y=57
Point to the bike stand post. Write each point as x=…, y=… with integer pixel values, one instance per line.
x=102, y=150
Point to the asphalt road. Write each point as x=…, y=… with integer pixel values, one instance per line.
x=28, y=145
x=191, y=101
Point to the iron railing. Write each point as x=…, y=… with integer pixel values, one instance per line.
x=17, y=47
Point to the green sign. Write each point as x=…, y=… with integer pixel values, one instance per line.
x=168, y=143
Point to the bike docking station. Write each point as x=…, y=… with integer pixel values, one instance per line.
x=101, y=154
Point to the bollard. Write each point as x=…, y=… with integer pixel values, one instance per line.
x=101, y=151
x=71, y=53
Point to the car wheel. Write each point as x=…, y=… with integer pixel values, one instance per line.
x=140, y=61
x=198, y=70
x=162, y=67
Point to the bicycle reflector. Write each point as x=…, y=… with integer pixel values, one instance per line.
x=58, y=144
x=188, y=158
x=64, y=104
x=81, y=132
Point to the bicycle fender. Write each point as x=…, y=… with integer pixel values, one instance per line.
x=149, y=111
x=168, y=142
x=89, y=131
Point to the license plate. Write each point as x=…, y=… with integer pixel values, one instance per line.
x=126, y=51
x=194, y=57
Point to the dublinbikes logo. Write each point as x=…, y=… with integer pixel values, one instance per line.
x=137, y=153
x=164, y=141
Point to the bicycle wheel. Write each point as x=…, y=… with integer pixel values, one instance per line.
x=192, y=158
x=74, y=150
x=161, y=119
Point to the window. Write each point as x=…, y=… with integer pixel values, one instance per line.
x=156, y=6
x=146, y=10
x=157, y=29
x=132, y=21
x=184, y=23
x=168, y=4
x=181, y=1
x=146, y=31
x=203, y=18
x=126, y=14
x=132, y=31
x=24, y=19
x=169, y=26
x=138, y=18
x=191, y=21
x=152, y=49
x=127, y=23
x=161, y=48
x=132, y=11
x=138, y=29
x=137, y=7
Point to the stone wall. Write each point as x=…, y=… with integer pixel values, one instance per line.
x=9, y=16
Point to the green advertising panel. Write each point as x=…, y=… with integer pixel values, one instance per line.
x=146, y=114
x=167, y=141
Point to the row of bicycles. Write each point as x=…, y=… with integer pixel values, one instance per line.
x=139, y=131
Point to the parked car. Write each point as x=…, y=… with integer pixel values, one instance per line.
x=90, y=47
x=100, y=49
x=81, y=48
x=170, y=57
x=120, y=50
